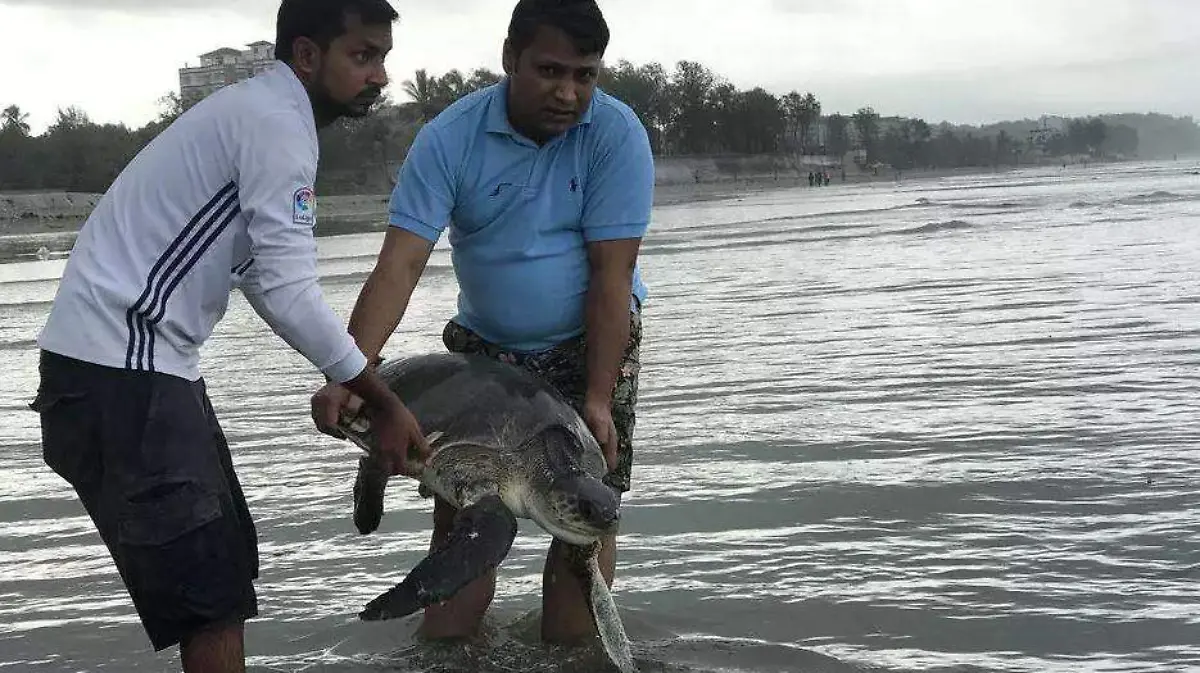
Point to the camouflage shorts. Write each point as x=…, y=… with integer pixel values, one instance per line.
x=565, y=367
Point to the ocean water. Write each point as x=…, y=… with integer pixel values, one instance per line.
x=942, y=425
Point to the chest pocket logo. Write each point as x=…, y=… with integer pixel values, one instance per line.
x=503, y=186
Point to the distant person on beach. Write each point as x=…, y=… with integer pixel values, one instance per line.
x=221, y=198
x=544, y=184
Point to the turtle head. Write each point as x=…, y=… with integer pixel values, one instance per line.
x=587, y=504
x=566, y=499
x=578, y=509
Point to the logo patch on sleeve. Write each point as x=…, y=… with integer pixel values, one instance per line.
x=304, y=206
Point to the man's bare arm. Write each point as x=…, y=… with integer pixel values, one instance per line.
x=384, y=297
x=607, y=314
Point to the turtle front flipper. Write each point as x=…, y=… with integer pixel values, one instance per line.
x=482, y=535
x=585, y=562
x=368, y=494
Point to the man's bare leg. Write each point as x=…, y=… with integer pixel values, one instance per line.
x=565, y=615
x=460, y=616
x=217, y=650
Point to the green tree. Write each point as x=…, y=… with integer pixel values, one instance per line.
x=725, y=104
x=432, y=94
x=170, y=107
x=791, y=103
x=14, y=121
x=866, y=126
x=421, y=89
x=919, y=136
x=1005, y=149
x=1121, y=140
x=946, y=148
x=1086, y=136
x=692, y=127
x=690, y=110
x=802, y=113
x=482, y=78
x=646, y=90
x=892, y=147
x=837, y=135
x=1095, y=131
x=809, y=115
x=82, y=156
x=762, y=117
x=19, y=169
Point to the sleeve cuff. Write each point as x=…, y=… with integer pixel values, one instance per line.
x=347, y=368
x=613, y=232
x=408, y=223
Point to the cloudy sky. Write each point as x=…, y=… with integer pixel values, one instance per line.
x=958, y=60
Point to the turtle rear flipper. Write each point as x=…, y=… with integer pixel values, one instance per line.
x=372, y=480
x=482, y=535
x=368, y=494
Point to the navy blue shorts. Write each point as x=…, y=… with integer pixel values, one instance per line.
x=148, y=459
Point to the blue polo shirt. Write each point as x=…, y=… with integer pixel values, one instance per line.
x=520, y=215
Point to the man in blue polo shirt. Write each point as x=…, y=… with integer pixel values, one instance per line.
x=545, y=184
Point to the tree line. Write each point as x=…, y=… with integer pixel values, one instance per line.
x=688, y=110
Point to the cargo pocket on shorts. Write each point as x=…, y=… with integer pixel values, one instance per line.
x=68, y=432
x=160, y=512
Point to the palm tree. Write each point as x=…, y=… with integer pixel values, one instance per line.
x=14, y=120
x=422, y=89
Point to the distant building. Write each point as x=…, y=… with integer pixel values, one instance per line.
x=1049, y=127
x=1054, y=123
x=223, y=67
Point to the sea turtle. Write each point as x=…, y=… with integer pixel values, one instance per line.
x=505, y=444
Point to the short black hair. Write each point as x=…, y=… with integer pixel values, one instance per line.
x=322, y=21
x=581, y=20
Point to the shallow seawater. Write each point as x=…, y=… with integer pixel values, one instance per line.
x=942, y=425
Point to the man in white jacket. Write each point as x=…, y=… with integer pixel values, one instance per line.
x=222, y=198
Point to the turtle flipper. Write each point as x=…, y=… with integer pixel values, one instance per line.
x=607, y=619
x=372, y=479
x=482, y=535
x=368, y=494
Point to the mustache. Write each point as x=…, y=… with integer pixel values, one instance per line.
x=370, y=92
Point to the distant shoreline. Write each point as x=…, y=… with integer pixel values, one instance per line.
x=31, y=220
x=53, y=211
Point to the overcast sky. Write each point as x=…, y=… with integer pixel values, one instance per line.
x=958, y=60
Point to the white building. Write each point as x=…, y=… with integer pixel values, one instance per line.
x=223, y=67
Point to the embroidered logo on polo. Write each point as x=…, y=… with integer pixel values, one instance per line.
x=574, y=185
x=502, y=185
